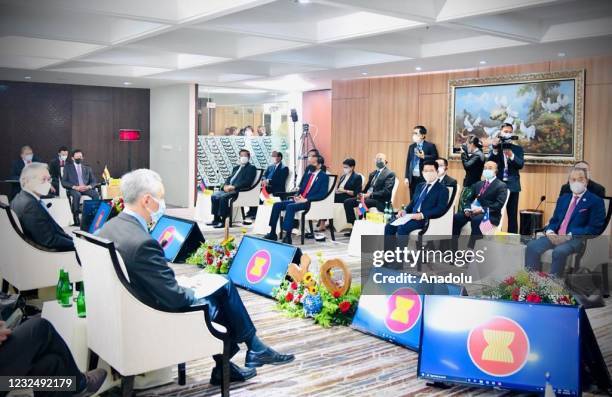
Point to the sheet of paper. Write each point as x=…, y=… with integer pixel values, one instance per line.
x=203, y=284
x=400, y=221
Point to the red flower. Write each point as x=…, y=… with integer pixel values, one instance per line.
x=299, y=297
x=515, y=294
x=510, y=280
x=543, y=274
x=209, y=260
x=227, y=253
x=294, y=285
x=533, y=298
x=289, y=297
x=336, y=294
x=344, y=306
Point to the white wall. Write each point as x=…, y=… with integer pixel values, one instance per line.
x=172, y=148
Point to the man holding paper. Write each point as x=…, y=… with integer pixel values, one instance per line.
x=429, y=201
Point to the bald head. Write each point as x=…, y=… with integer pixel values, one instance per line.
x=491, y=165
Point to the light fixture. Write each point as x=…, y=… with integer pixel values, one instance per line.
x=418, y=68
x=364, y=73
x=303, y=1
x=127, y=83
x=28, y=77
x=561, y=54
x=483, y=62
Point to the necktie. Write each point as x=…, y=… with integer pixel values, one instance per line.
x=79, y=174
x=421, y=198
x=273, y=171
x=235, y=175
x=308, y=185
x=484, y=188
x=568, y=215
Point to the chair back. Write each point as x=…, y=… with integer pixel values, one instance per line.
x=502, y=216
x=249, y=197
x=59, y=210
x=289, y=181
x=395, y=187
x=324, y=208
x=607, y=231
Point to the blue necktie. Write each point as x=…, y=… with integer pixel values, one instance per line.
x=421, y=198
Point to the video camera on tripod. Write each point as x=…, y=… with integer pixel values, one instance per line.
x=505, y=142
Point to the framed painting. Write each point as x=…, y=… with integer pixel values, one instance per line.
x=545, y=109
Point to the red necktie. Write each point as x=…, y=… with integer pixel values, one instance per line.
x=308, y=185
x=568, y=215
x=484, y=188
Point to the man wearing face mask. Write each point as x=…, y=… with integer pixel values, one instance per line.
x=349, y=185
x=430, y=201
x=510, y=159
x=242, y=177
x=154, y=282
x=487, y=195
x=443, y=177
x=418, y=152
x=26, y=156
x=78, y=180
x=377, y=191
x=592, y=186
x=275, y=177
x=577, y=215
x=35, y=221
x=56, y=168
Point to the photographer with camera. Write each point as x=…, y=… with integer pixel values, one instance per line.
x=510, y=159
x=473, y=160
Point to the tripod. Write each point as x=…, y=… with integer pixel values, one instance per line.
x=306, y=144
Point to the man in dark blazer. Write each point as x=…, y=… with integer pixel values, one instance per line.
x=78, y=180
x=443, y=177
x=34, y=218
x=577, y=215
x=350, y=183
x=275, y=177
x=242, y=177
x=418, y=152
x=487, y=195
x=377, y=191
x=314, y=186
x=429, y=202
x=592, y=186
x=154, y=282
x=510, y=158
x=26, y=156
x=56, y=168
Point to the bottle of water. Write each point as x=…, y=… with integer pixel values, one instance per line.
x=81, y=312
x=60, y=284
x=66, y=291
x=388, y=213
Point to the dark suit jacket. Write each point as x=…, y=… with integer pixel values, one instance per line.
x=383, y=187
x=435, y=202
x=18, y=166
x=492, y=199
x=319, y=188
x=71, y=178
x=473, y=165
x=353, y=184
x=38, y=225
x=514, y=178
x=449, y=181
x=55, y=170
x=276, y=178
x=587, y=219
x=153, y=281
x=592, y=187
x=431, y=153
x=244, y=179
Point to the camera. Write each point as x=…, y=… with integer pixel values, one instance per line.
x=505, y=142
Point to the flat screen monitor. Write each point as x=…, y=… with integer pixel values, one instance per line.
x=171, y=233
x=102, y=214
x=90, y=208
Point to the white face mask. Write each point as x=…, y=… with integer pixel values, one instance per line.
x=346, y=170
x=43, y=188
x=441, y=171
x=28, y=157
x=429, y=176
x=244, y=159
x=416, y=138
x=63, y=158
x=155, y=216
x=577, y=187
x=488, y=174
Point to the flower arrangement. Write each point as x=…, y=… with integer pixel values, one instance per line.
x=532, y=287
x=214, y=256
x=118, y=205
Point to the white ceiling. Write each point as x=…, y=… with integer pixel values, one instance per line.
x=283, y=45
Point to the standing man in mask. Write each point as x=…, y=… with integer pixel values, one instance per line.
x=242, y=177
x=577, y=215
x=418, y=152
x=510, y=159
x=78, y=180
x=56, y=168
x=26, y=156
x=35, y=221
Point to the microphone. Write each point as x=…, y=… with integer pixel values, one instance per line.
x=49, y=205
x=542, y=198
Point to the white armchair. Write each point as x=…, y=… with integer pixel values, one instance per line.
x=26, y=265
x=132, y=337
x=340, y=222
x=248, y=197
x=60, y=210
x=442, y=226
x=393, y=192
x=467, y=228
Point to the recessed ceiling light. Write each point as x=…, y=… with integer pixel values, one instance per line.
x=127, y=83
x=561, y=54
x=483, y=62
x=28, y=77
x=364, y=73
x=303, y=1
x=418, y=68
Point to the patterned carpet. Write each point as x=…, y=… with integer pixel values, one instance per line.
x=338, y=361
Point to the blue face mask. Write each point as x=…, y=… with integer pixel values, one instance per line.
x=155, y=216
x=488, y=174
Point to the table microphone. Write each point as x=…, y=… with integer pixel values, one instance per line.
x=49, y=205
x=542, y=198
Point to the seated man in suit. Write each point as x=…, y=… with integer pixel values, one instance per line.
x=242, y=177
x=35, y=221
x=34, y=348
x=430, y=201
x=577, y=215
x=154, y=281
x=443, y=177
x=78, y=180
x=26, y=156
x=377, y=191
x=592, y=186
x=350, y=183
x=314, y=186
x=487, y=195
x=56, y=166
x=275, y=177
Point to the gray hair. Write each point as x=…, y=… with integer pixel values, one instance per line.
x=136, y=183
x=578, y=169
x=30, y=173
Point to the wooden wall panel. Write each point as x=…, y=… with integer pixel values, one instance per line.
x=351, y=117
x=598, y=132
x=599, y=69
x=394, y=102
x=342, y=89
x=514, y=69
x=437, y=83
x=92, y=132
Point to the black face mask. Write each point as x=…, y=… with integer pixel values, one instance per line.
x=78, y=161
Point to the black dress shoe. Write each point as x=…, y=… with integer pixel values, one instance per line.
x=213, y=223
x=237, y=374
x=348, y=234
x=287, y=239
x=271, y=236
x=309, y=235
x=267, y=356
x=219, y=225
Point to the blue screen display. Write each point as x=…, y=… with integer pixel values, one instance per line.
x=260, y=265
x=394, y=312
x=171, y=233
x=501, y=344
x=104, y=210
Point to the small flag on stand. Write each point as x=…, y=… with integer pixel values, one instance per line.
x=264, y=194
x=363, y=208
x=106, y=174
x=486, y=227
x=202, y=185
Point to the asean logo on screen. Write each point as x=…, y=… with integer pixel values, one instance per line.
x=498, y=346
x=258, y=266
x=403, y=310
x=166, y=236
